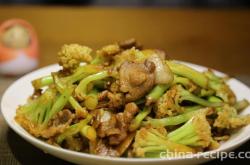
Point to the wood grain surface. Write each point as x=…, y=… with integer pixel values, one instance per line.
x=215, y=38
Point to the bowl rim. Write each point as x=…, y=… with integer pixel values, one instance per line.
x=35, y=141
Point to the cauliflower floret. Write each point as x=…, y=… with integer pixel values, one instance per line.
x=70, y=56
x=195, y=133
x=168, y=105
x=110, y=50
x=151, y=142
x=229, y=119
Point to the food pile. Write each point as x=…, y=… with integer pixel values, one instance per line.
x=126, y=101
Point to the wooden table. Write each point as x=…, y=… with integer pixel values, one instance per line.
x=214, y=38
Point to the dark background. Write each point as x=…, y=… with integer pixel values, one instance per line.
x=14, y=150
x=162, y=3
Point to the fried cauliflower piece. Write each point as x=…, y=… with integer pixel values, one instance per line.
x=229, y=119
x=110, y=50
x=151, y=142
x=70, y=56
x=222, y=90
x=194, y=133
x=168, y=104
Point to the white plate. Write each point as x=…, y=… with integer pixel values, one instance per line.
x=19, y=91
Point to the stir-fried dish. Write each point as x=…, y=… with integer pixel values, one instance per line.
x=126, y=101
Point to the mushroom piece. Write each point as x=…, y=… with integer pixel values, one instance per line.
x=136, y=79
x=129, y=43
x=162, y=72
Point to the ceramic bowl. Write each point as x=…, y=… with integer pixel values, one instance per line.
x=19, y=91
